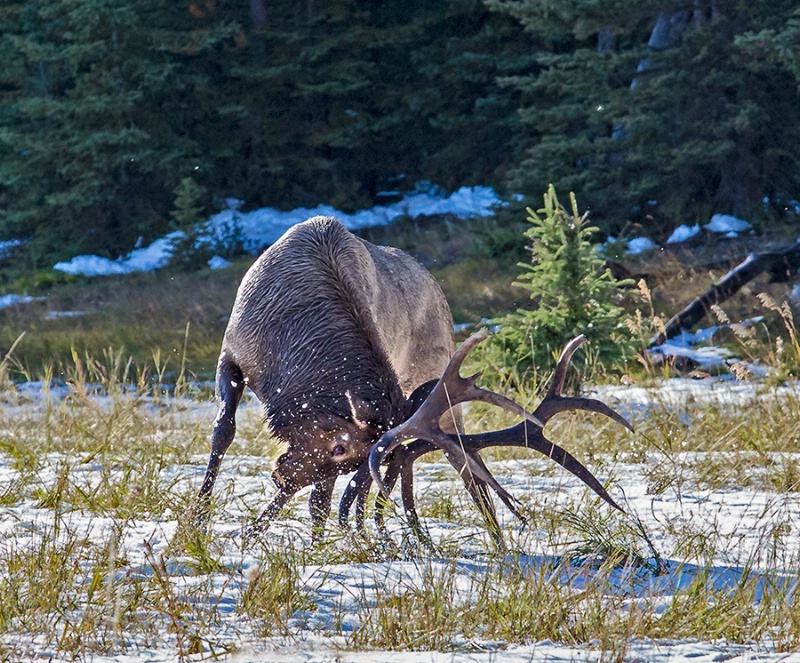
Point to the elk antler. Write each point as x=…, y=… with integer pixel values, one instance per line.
x=450, y=390
x=463, y=450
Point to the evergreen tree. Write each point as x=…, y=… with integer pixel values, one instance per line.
x=656, y=113
x=192, y=246
x=97, y=119
x=337, y=102
x=570, y=292
x=106, y=103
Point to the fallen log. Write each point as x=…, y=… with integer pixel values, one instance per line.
x=780, y=265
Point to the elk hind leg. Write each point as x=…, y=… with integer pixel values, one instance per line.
x=230, y=386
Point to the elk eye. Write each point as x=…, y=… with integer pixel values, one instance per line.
x=339, y=450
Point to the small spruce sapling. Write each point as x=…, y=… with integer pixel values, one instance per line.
x=570, y=292
x=192, y=248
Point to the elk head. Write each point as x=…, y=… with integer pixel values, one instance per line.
x=328, y=445
x=322, y=446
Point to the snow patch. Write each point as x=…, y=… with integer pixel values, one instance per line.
x=218, y=262
x=682, y=233
x=696, y=346
x=639, y=245
x=727, y=224
x=56, y=315
x=7, y=245
x=13, y=300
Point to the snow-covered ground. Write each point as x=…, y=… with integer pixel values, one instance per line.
x=341, y=593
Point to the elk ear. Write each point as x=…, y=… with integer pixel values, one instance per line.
x=362, y=411
x=419, y=395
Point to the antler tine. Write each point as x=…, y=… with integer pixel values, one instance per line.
x=516, y=436
x=555, y=402
x=548, y=408
x=564, y=359
x=393, y=472
x=358, y=488
x=359, y=484
x=481, y=494
x=467, y=389
x=451, y=389
x=454, y=452
x=520, y=436
x=454, y=365
x=477, y=487
x=403, y=464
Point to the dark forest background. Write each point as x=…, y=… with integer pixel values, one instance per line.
x=655, y=113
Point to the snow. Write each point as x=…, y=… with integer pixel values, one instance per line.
x=56, y=315
x=145, y=259
x=682, y=233
x=727, y=224
x=639, y=245
x=7, y=245
x=342, y=592
x=13, y=300
x=262, y=227
x=218, y=262
x=736, y=512
x=696, y=346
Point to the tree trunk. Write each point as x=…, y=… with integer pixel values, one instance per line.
x=780, y=265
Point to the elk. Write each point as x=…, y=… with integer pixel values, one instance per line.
x=332, y=334
x=348, y=347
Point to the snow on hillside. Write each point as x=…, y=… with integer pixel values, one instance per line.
x=264, y=226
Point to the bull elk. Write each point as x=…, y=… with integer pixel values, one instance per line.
x=332, y=334
x=348, y=347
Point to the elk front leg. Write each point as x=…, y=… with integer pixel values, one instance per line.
x=273, y=509
x=319, y=506
x=396, y=462
x=230, y=386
